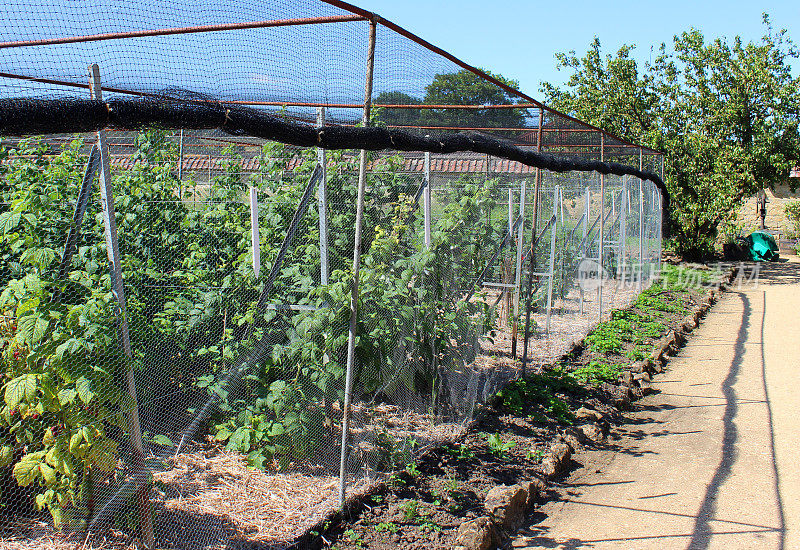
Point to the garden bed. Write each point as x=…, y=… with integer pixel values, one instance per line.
x=211, y=499
x=423, y=506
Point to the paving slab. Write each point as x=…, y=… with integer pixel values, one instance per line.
x=712, y=461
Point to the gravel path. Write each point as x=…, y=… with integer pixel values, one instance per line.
x=710, y=462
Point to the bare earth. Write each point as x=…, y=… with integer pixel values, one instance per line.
x=710, y=462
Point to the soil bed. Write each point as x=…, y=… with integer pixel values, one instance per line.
x=423, y=506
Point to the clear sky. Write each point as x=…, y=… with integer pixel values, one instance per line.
x=518, y=38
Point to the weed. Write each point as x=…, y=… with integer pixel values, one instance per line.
x=412, y=469
x=539, y=390
x=452, y=486
x=426, y=524
x=354, y=537
x=536, y=455
x=386, y=527
x=497, y=446
x=597, y=371
x=460, y=451
x=410, y=509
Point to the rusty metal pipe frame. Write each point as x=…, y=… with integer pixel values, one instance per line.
x=450, y=57
x=181, y=30
x=359, y=15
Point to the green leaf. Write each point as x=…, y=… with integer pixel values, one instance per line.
x=103, y=455
x=160, y=439
x=9, y=221
x=15, y=391
x=84, y=388
x=67, y=396
x=70, y=346
x=31, y=328
x=6, y=455
x=48, y=473
x=26, y=471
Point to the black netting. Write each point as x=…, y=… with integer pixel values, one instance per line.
x=176, y=262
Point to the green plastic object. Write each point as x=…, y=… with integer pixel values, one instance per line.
x=762, y=247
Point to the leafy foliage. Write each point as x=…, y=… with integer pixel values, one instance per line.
x=725, y=114
x=191, y=304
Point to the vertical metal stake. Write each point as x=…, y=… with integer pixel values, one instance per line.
x=532, y=252
x=623, y=222
x=255, y=240
x=351, y=337
x=602, y=236
x=322, y=201
x=118, y=291
x=552, y=267
x=583, y=251
x=426, y=198
x=518, y=269
x=180, y=166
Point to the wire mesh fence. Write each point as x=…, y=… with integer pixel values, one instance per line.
x=183, y=361
x=208, y=406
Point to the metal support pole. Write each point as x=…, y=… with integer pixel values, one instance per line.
x=255, y=240
x=322, y=201
x=584, y=244
x=532, y=252
x=602, y=231
x=510, y=208
x=180, y=166
x=641, y=225
x=426, y=198
x=351, y=337
x=118, y=291
x=552, y=266
x=518, y=269
x=623, y=226
x=659, y=218
x=80, y=210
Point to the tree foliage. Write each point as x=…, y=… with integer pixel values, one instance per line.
x=725, y=113
x=460, y=88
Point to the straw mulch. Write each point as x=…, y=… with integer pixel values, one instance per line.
x=212, y=497
x=208, y=500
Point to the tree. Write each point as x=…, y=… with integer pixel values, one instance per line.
x=398, y=117
x=466, y=88
x=725, y=114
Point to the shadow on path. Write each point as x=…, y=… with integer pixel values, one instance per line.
x=701, y=534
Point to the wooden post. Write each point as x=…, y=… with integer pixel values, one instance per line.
x=255, y=240
x=322, y=201
x=118, y=291
x=351, y=337
x=426, y=200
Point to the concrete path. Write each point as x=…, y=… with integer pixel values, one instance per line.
x=713, y=460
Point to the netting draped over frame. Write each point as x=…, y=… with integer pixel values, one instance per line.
x=230, y=290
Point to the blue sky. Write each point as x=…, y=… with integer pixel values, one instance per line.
x=518, y=38
x=325, y=63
